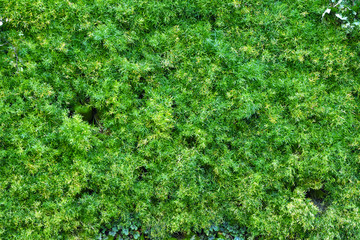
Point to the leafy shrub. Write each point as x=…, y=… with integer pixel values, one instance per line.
x=346, y=12
x=185, y=114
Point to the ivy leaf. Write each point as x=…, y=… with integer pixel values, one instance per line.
x=125, y=231
x=136, y=235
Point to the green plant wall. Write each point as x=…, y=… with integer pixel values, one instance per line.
x=181, y=113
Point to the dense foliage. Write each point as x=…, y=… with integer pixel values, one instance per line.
x=346, y=12
x=180, y=114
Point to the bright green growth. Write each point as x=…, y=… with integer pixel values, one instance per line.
x=203, y=113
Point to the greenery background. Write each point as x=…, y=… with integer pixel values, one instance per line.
x=182, y=113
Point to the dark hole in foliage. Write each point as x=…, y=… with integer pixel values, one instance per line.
x=272, y=192
x=252, y=118
x=83, y=99
x=296, y=149
x=168, y=71
x=88, y=113
x=91, y=117
x=229, y=146
x=139, y=88
x=206, y=168
x=317, y=196
x=141, y=171
x=140, y=94
x=354, y=149
x=179, y=235
x=251, y=164
x=355, y=93
x=94, y=117
x=71, y=113
x=85, y=192
x=174, y=131
x=212, y=20
x=154, y=200
x=292, y=185
x=190, y=141
x=173, y=104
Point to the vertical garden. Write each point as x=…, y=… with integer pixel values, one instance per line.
x=159, y=119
